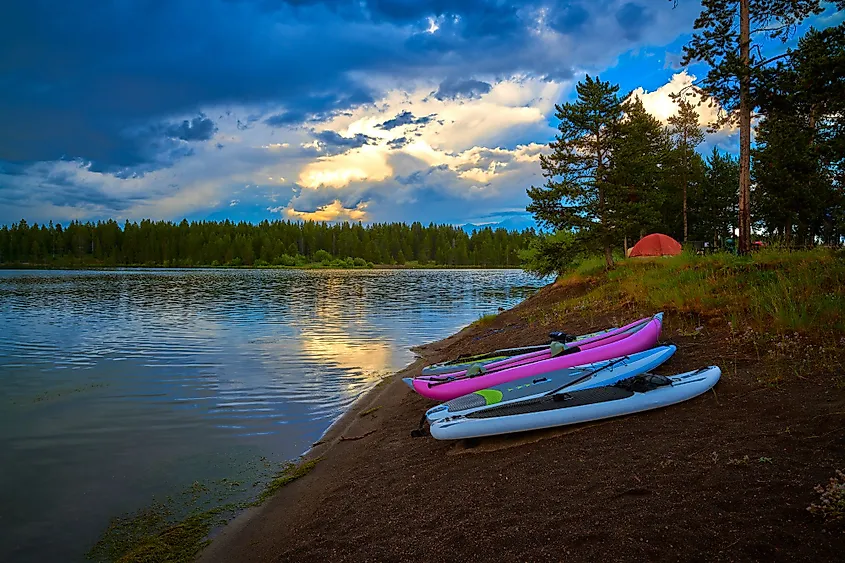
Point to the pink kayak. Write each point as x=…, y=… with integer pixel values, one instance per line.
x=630, y=339
x=604, y=337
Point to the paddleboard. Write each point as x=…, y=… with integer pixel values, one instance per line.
x=581, y=377
x=628, y=396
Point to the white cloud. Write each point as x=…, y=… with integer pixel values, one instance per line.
x=334, y=211
x=442, y=133
x=660, y=104
x=363, y=163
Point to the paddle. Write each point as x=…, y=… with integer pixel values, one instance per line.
x=585, y=376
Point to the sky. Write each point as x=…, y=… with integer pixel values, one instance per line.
x=372, y=110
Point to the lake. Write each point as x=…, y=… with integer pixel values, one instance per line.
x=120, y=387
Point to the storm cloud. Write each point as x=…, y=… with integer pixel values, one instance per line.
x=454, y=89
x=213, y=101
x=405, y=118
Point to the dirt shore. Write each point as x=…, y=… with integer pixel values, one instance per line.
x=725, y=477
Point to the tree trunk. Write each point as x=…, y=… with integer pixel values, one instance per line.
x=744, y=130
x=608, y=255
x=625, y=243
x=685, y=180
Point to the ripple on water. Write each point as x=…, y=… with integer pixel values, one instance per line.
x=117, y=384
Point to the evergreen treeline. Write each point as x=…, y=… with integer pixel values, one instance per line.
x=616, y=173
x=282, y=243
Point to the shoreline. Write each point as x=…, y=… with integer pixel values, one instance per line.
x=96, y=268
x=332, y=436
x=726, y=476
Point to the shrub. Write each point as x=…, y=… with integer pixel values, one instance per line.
x=359, y=263
x=322, y=256
x=550, y=254
x=486, y=319
x=831, y=505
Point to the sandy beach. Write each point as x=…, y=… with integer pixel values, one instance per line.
x=727, y=476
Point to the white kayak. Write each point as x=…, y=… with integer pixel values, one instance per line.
x=636, y=394
x=595, y=374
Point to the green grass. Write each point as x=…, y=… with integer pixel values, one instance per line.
x=485, y=320
x=590, y=266
x=773, y=290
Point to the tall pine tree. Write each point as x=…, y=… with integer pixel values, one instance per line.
x=686, y=135
x=715, y=202
x=574, y=196
x=724, y=39
x=634, y=198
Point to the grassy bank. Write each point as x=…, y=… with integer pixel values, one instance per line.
x=772, y=290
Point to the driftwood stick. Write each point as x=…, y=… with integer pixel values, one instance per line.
x=351, y=438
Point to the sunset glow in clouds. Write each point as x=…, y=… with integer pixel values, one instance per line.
x=321, y=110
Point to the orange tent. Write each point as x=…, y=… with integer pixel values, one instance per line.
x=656, y=245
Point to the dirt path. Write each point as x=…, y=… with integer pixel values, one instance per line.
x=724, y=477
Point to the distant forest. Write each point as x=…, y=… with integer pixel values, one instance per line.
x=279, y=243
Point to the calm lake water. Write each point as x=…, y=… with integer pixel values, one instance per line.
x=123, y=386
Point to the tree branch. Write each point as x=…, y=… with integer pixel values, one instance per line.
x=773, y=59
x=769, y=29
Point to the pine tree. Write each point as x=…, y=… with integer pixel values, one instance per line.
x=577, y=170
x=715, y=202
x=723, y=40
x=801, y=141
x=686, y=135
x=634, y=197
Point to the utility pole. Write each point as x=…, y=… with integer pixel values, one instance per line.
x=744, y=221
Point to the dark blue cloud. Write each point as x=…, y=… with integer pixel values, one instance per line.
x=60, y=188
x=104, y=81
x=455, y=88
x=568, y=19
x=317, y=108
x=421, y=176
x=334, y=141
x=77, y=83
x=633, y=19
x=405, y=118
x=286, y=118
x=198, y=129
x=397, y=143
